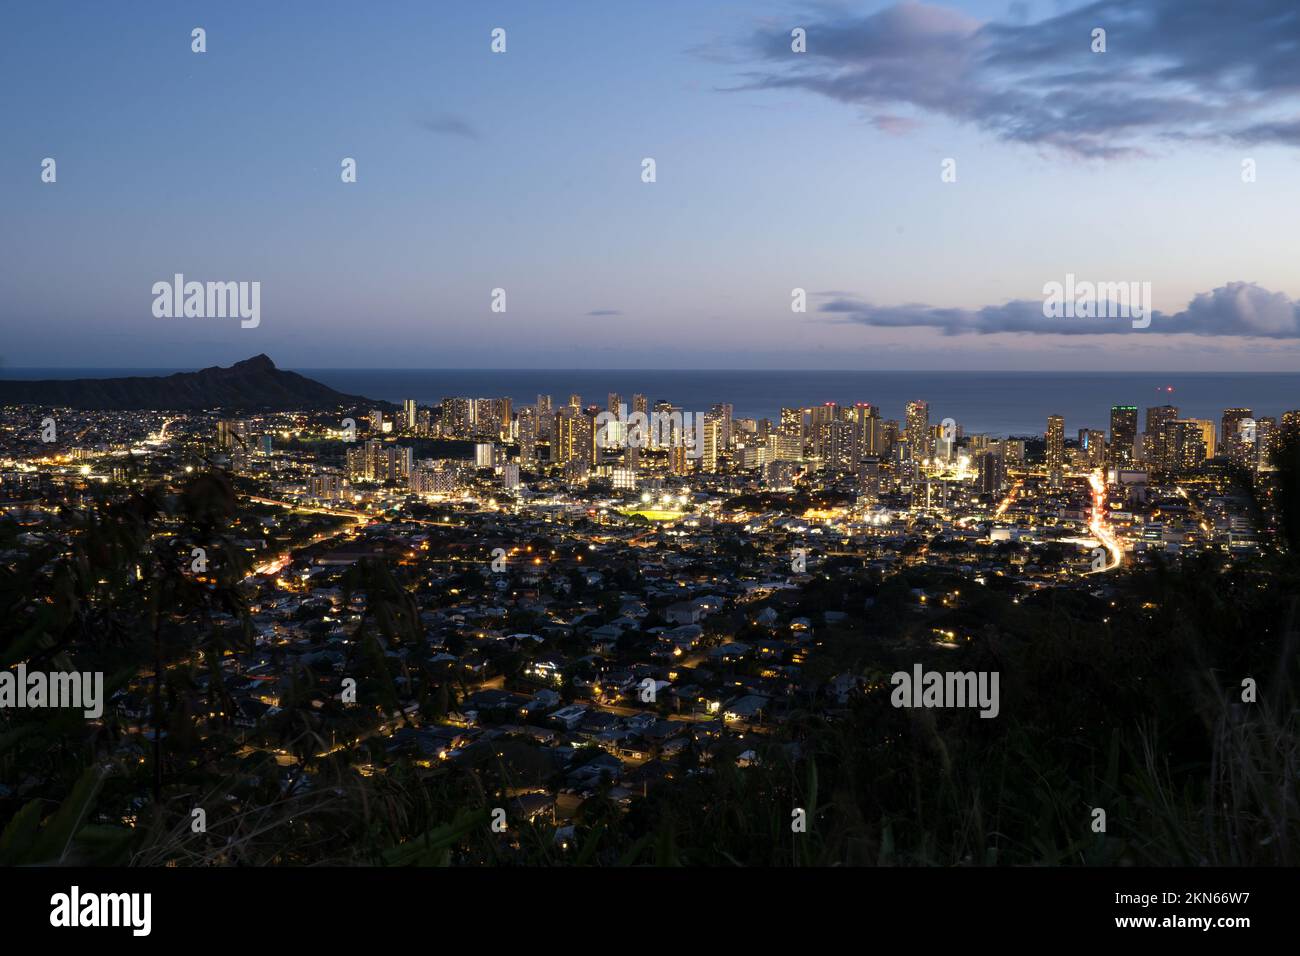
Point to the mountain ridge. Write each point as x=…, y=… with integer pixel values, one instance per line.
x=254, y=384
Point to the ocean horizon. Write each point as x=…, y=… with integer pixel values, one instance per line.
x=998, y=403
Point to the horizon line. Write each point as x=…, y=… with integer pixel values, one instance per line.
x=613, y=368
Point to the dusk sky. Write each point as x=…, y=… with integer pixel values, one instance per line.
x=775, y=170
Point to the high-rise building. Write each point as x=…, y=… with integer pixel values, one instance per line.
x=869, y=476
x=1207, y=435
x=457, y=418
x=528, y=434
x=1185, y=448
x=792, y=422
x=917, y=423
x=409, y=412
x=833, y=444
x=1290, y=425
x=231, y=434
x=710, y=459
x=503, y=410
x=723, y=412
x=1236, y=434
x=572, y=445
x=1055, y=447
x=821, y=414
x=866, y=432
x=379, y=461
x=487, y=420
x=784, y=447
x=1092, y=442
x=510, y=475
x=1267, y=441
x=890, y=433
x=1158, y=446
x=326, y=485
x=991, y=469
x=679, y=461
x=1123, y=434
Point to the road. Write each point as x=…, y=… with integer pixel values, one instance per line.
x=1099, y=524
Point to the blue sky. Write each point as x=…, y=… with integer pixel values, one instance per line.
x=522, y=171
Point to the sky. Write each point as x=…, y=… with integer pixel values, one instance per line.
x=825, y=170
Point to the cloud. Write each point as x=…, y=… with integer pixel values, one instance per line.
x=1241, y=308
x=1174, y=70
x=1236, y=309
x=605, y=312
x=449, y=125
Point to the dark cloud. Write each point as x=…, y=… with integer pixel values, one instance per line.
x=449, y=125
x=1176, y=69
x=1235, y=309
x=605, y=312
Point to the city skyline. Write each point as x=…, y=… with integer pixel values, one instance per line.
x=776, y=171
x=859, y=435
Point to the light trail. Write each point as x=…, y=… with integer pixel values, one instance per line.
x=1100, y=527
x=1006, y=502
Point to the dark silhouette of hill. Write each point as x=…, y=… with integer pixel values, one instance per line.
x=254, y=383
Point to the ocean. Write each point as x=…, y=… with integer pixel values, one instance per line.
x=997, y=403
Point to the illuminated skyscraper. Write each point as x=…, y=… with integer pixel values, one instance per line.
x=821, y=414
x=992, y=471
x=1185, y=447
x=1123, y=434
x=784, y=447
x=457, y=418
x=231, y=434
x=1159, y=447
x=1267, y=437
x=503, y=410
x=867, y=437
x=713, y=446
x=572, y=446
x=1290, y=427
x=1236, y=434
x=409, y=414
x=723, y=413
x=1207, y=435
x=1092, y=441
x=918, y=429
x=528, y=434
x=1055, y=447
x=792, y=426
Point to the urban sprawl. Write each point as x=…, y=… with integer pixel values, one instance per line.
x=614, y=591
